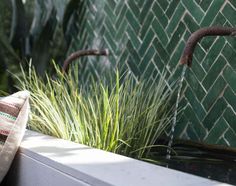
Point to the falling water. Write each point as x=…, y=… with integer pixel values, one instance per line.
x=168, y=155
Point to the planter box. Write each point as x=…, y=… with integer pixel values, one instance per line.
x=46, y=161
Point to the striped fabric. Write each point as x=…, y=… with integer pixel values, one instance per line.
x=14, y=110
x=8, y=114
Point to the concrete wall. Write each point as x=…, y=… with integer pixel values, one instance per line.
x=47, y=161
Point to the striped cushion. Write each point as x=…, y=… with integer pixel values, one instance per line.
x=8, y=114
x=14, y=111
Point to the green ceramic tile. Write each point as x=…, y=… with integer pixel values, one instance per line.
x=214, y=113
x=198, y=1
x=196, y=105
x=133, y=21
x=217, y=131
x=214, y=92
x=222, y=141
x=160, y=15
x=140, y=3
x=233, y=2
x=123, y=56
x=181, y=125
x=160, y=32
x=176, y=56
x=212, y=12
x=190, y=23
x=205, y=4
x=197, y=69
x=110, y=26
x=183, y=102
x=213, y=53
x=230, y=76
x=229, y=53
x=227, y=24
x=100, y=22
x=145, y=9
x=148, y=69
x=195, y=85
x=120, y=29
x=133, y=66
x=109, y=39
x=231, y=42
x=176, y=38
x=171, y=8
x=194, y=9
x=162, y=4
x=230, y=136
x=161, y=50
x=179, y=11
x=134, y=7
x=159, y=63
x=146, y=25
x=111, y=3
x=89, y=29
x=195, y=122
x=133, y=39
x=230, y=98
x=230, y=117
x=192, y=133
x=219, y=19
x=147, y=40
x=121, y=17
x=147, y=57
x=228, y=12
x=119, y=7
x=133, y=53
x=185, y=136
x=110, y=13
x=207, y=42
x=214, y=72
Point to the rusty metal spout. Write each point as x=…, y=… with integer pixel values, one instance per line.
x=80, y=53
x=198, y=35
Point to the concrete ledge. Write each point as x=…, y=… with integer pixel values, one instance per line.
x=47, y=161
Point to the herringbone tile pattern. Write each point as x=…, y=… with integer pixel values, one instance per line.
x=142, y=35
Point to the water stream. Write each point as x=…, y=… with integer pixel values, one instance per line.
x=180, y=84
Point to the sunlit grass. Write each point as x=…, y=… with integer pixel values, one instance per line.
x=123, y=116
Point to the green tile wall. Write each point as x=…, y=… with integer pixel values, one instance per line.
x=143, y=34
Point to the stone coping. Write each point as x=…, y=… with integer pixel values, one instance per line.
x=62, y=162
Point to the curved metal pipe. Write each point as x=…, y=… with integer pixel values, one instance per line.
x=198, y=35
x=81, y=53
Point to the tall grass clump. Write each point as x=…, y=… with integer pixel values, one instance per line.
x=123, y=115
